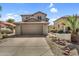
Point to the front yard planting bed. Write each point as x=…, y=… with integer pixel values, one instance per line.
x=60, y=47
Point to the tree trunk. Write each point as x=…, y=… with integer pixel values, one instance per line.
x=74, y=38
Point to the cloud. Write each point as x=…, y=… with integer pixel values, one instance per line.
x=53, y=10
x=16, y=17
x=7, y=16
x=51, y=4
x=51, y=21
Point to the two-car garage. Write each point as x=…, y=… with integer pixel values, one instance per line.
x=32, y=28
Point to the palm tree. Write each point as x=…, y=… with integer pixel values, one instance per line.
x=0, y=14
x=0, y=10
x=72, y=20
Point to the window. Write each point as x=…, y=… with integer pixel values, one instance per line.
x=58, y=25
x=27, y=17
x=39, y=17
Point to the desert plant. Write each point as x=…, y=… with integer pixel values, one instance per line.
x=5, y=30
x=73, y=25
x=0, y=10
x=60, y=31
x=0, y=16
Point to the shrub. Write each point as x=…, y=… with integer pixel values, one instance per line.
x=4, y=35
x=54, y=31
x=1, y=35
x=6, y=30
x=60, y=31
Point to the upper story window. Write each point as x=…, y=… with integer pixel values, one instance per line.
x=39, y=17
x=27, y=17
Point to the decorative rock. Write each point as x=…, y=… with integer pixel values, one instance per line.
x=68, y=48
x=73, y=52
x=66, y=53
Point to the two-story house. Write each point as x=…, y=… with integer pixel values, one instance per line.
x=33, y=24
x=62, y=23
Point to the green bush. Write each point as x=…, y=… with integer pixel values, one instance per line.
x=60, y=31
x=1, y=35
x=6, y=30
x=54, y=31
x=4, y=35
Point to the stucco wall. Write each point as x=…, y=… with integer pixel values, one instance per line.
x=18, y=30
x=45, y=29
x=35, y=16
x=63, y=36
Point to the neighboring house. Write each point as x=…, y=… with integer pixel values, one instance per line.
x=4, y=27
x=5, y=24
x=62, y=23
x=33, y=24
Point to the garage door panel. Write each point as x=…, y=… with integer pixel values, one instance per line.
x=32, y=29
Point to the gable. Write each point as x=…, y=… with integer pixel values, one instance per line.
x=38, y=16
x=31, y=20
x=39, y=13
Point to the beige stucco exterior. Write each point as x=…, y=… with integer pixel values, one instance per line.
x=32, y=28
x=32, y=25
x=62, y=23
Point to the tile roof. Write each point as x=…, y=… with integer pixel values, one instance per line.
x=64, y=17
x=6, y=23
x=34, y=14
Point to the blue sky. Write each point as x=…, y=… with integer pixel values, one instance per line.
x=53, y=10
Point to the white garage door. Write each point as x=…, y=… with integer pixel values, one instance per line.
x=32, y=29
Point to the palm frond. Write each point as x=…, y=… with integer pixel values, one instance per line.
x=73, y=22
x=0, y=8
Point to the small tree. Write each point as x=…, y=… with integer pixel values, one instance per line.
x=10, y=20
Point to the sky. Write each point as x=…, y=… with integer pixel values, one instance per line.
x=53, y=10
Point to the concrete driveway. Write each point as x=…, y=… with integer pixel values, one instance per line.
x=25, y=46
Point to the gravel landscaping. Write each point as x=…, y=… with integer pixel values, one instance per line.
x=62, y=47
